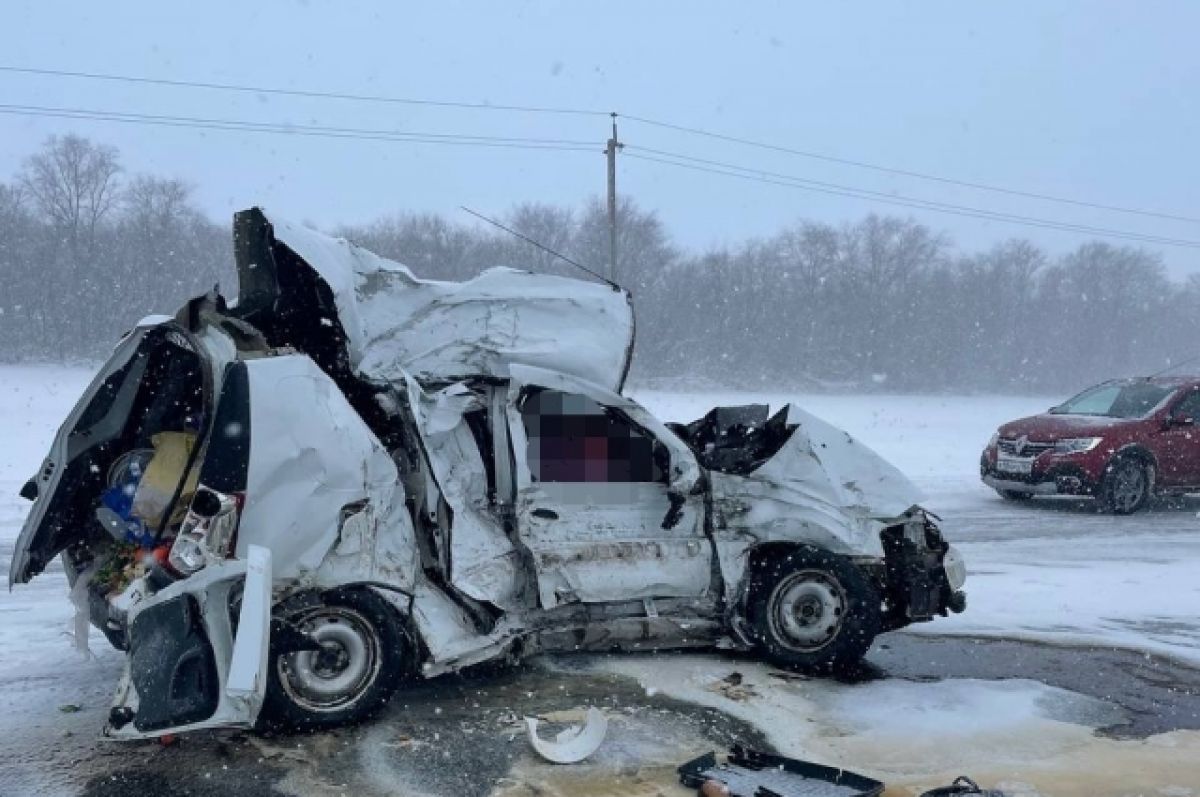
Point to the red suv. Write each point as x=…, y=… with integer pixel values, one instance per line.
x=1119, y=442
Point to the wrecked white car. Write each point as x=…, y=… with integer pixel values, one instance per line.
x=284, y=509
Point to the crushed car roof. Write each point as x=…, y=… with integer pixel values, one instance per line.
x=396, y=323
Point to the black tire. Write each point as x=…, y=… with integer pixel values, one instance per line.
x=813, y=611
x=1015, y=495
x=366, y=655
x=1127, y=485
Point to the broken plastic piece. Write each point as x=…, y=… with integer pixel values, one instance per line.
x=573, y=744
x=962, y=785
x=747, y=773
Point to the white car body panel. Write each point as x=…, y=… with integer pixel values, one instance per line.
x=322, y=493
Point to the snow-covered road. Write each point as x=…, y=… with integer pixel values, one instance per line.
x=1056, y=571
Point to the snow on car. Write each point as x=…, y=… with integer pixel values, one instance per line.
x=284, y=508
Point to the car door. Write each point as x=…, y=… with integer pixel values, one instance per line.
x=1179, y=443
x=605, y=495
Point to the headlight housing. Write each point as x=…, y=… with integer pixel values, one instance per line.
x=1076, y=445
x=208, y=532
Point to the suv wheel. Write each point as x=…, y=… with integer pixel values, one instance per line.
x=1126, y=486
x=1015, y=495
x=362, y=659
x=813, y=610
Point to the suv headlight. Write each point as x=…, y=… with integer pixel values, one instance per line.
x=1076, y=445
x=208, y=532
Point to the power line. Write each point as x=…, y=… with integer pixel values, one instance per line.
x=458, y=139
x=915, y=201
x=325, y=95
x=789, y=181
x=372, y=98
x=907, y=172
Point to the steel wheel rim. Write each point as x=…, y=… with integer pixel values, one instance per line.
x=1129, y=482
x=807, y=610
x=342, y=671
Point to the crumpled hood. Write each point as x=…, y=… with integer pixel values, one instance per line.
x=395, y=323
x=826, y=464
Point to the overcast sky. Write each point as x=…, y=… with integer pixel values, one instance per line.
x=1089, y=100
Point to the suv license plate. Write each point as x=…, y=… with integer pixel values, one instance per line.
x=1009, y=465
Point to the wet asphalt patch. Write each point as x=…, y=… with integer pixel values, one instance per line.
x=1156, y=693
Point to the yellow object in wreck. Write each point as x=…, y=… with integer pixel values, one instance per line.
x=172, y=452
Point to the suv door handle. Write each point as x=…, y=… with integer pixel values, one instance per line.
x=545, y=514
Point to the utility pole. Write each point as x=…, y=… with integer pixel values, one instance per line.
x=611, y=151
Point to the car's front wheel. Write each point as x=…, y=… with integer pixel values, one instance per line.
x=1015, y=495
x=362, y=657
x=1126, y=486
x=813, y=610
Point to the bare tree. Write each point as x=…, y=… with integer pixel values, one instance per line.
x=73, y=182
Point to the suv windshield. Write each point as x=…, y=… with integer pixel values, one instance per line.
x=1116, y=401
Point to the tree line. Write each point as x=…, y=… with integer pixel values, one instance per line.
x=883, y=303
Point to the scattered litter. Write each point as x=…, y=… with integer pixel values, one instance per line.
x=573, y=744
x=733, y=686
x=747, y=773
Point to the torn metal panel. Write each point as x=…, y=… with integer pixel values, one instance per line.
x=794, y=477
x=396, y=324
x=322, y=493
x=483, y=562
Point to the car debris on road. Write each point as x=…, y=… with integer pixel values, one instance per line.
x=748, y=773
x=284, y=508
x=572, y=744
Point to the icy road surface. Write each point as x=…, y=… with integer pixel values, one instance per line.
x=1050, y=571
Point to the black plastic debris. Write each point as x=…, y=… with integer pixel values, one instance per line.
x=748, y=773
x=962, y=785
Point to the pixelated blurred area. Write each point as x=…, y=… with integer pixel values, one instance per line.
x=574, y=439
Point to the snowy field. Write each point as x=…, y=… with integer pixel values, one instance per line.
x=1054, y=571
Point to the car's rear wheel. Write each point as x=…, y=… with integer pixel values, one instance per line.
x=813, y=610
x=363, y=657
x=1126, y=486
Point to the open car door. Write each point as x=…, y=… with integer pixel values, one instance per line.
x=158, y=377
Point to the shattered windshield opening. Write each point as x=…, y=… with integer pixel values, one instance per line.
x=1135, y=400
